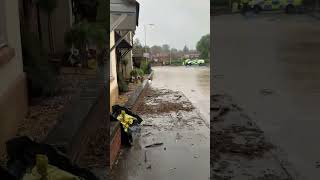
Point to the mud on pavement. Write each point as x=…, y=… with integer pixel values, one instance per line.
x=173, y=142
x=164, y=101
x=239, y=149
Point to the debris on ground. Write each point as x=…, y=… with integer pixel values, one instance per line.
x=237, y=140
x=178, y=136
x=154, y=145
x=145, y=156
x=171, y=169
x=266, y=92
x=147, y=125
x=42, y=117
x=43, y=112
x=164, y=101
x=160, y=127
x=147, y=134
x=178, y=97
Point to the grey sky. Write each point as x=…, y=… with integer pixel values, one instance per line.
x=177, y=22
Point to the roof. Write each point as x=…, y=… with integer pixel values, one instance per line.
x=124, y=14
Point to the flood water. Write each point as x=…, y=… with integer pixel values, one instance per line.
x=193, y=81
x=280, y=54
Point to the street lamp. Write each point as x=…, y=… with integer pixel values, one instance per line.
x=145, y=36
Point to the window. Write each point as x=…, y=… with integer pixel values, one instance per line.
x=3, y=36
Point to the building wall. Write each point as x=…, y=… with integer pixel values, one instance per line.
x=61, y=23
x=114, y=93
x=61, y=20
x=115, y=146
x=13, y=91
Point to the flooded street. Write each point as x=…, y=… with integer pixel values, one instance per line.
x=174, y=138
x=270, y=65
x=194, y=82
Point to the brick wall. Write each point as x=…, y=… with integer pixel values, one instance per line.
x=115, y=146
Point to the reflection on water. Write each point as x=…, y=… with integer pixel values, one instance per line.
x=204, y=81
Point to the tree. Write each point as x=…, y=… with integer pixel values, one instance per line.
x=174, y=53
x=185, y=49
x=166, y=48
x=203, y=46
x=137, y=48
x=174, y=50
x=156, y=49
x=146, y=49
x=137, y=42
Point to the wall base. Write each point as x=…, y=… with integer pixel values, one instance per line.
x=13, y=108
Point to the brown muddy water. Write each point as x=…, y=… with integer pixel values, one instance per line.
x=270, y=65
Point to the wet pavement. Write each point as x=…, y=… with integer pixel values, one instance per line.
x=193, y=81
x=270, y=65
x=239, y=148
x=173, y=124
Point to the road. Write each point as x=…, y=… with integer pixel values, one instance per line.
x=270, y=65
x=193, y=81
x=174, y=117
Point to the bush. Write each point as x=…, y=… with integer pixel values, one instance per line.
x=41, y=75
x=145, y=66
x=134, y=73
x=123, y=86
x=177, y=62
x=140, y=72
x=137, y=72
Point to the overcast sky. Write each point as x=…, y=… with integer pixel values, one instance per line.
x=176, y=22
